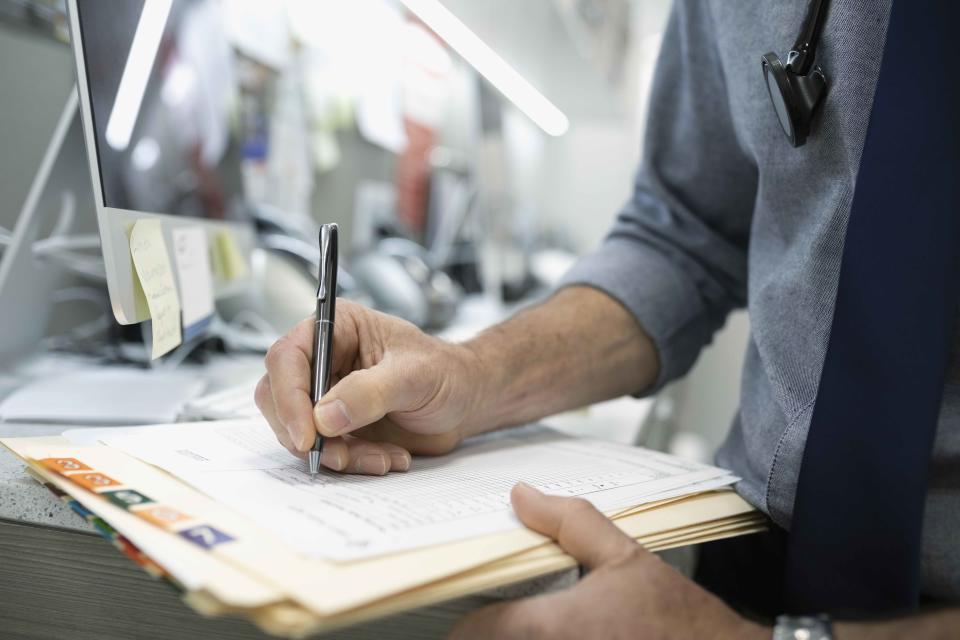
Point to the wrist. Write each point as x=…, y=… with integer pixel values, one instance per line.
x=477, y=381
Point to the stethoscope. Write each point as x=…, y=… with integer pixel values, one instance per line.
x=798, y=87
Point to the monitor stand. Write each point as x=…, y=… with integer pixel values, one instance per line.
x=60, y=193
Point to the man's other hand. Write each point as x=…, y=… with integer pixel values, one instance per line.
x=628, y=592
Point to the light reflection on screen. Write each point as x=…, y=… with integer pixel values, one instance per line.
x=173, y=121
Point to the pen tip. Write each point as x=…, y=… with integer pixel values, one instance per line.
x=314, y=459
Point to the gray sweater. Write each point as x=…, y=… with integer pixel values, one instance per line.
x=725, y=213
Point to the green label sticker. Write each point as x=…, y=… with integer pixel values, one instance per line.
x=126, y=498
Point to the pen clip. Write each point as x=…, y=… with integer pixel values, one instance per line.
x=328, y=262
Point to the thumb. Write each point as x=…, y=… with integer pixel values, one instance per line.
x=361, y=398
x=576, y=525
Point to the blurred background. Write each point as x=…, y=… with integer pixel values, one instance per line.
x=468, y=161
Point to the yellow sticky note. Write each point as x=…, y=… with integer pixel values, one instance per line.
x=228, y=259
x=150, y=259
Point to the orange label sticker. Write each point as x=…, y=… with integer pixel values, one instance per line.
x=94, y=481
x=64, y=465
x=162, y=516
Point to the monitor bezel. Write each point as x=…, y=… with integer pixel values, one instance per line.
x=115, y=223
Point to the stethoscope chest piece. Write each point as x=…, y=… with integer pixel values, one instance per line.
x=794, y=97
x=798, y=86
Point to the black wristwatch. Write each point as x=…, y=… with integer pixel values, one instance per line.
x=803, y=628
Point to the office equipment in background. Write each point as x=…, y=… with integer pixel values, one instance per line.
x=98, y=396
x=234, y=402
x=402, y=280
x=249, y=561
x=40, y=246
x=156, y=83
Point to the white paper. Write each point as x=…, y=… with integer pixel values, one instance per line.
x=441, y=499
x=193, y=272
x=116, y=395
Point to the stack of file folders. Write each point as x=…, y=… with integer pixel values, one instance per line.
x=226, y=515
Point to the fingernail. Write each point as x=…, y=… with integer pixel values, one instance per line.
x=332, y=458
x=523, y=486
x=399, y=462
x=372, y=463
x=296, y=437
x=308, y=438
x=332, y=417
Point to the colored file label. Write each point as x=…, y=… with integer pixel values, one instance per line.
x=161, y=516
x=126, y=498
x=64, y=465
x=93, y=481
x=131, y=500
x=205, y=536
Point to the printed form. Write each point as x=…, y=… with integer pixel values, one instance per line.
x=460, y=495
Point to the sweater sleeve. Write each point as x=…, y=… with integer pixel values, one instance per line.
x=676, y=256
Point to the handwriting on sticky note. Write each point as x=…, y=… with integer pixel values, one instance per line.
x=149, y=253
x=192, y=257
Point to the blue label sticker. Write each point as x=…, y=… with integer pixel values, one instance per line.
x=205, y=536
x=126, y=498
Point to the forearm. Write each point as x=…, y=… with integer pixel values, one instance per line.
x=578, y=347
x=938, y=625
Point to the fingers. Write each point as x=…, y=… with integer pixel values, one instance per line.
x=288, y=377
x=284, y=440
x=427, y=444
x=349, y=455
x=288, y=369
x=353, y=455
x=264, y=399
x=373, y=458
x=363, y=397
x=575, y=524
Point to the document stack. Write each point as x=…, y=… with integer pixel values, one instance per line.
x=239, y=526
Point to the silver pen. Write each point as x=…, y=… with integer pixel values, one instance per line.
x=323, y=329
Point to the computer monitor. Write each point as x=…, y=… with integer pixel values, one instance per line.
x=157, y=91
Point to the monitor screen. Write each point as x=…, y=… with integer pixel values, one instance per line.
x=172, y=122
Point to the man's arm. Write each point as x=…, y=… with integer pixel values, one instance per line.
x=402, y=391
x=579, y=347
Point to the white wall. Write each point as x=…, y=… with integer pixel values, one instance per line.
x=583, y=177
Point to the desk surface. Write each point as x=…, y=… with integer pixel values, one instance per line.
x=22, y=499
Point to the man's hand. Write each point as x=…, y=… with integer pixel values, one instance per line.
x=397, y=391
x=629, y=592
x=394, y=390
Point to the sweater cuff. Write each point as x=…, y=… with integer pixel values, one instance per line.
x=665, y=304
